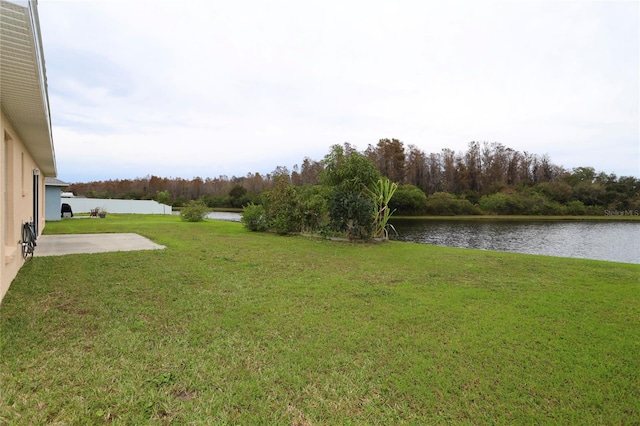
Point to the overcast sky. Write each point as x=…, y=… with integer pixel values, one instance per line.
x=208, y=88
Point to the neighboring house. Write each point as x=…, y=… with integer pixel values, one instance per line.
x=53, y=198
x=26, y=153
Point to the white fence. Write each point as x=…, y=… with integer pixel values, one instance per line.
x=85, y=205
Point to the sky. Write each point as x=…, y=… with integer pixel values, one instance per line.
x=214, y=88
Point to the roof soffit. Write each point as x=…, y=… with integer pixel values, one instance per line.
x=23, y=92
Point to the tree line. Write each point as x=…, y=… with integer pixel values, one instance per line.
x=486, y=178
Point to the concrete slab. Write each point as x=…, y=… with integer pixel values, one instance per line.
x=58, y=245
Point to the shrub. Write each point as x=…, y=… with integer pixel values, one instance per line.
x=556, y=190
x=254, y=218
x=533, y=203
x=214, y=201
x=163, y=197
x=349, y=170
x=179, y=201
x=194, y=211
x=351, y=213
x=408, y=199
x=472, y=196
x=313, y=208
x=525, y=201
x=501, y=203
x=591, y=194
x=576, y=208
x=553, y=208
x=445, y=204
x=283, y=207
x=238, y=196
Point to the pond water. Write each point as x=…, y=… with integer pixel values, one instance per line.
x=230, y=216
x=598, y=240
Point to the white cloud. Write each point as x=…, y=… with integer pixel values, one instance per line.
x=204, y=88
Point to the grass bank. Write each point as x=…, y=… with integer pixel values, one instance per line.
x=226, y=326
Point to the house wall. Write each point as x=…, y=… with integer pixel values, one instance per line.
x=16, y=200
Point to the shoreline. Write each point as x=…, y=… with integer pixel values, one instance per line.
x=523, y=218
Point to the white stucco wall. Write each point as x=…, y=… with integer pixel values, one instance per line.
x=85, y=205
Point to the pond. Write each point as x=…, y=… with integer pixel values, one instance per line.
x=230, y=216
x=598, y=240
x=613, y=241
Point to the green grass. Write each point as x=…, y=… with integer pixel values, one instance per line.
x=230, y=327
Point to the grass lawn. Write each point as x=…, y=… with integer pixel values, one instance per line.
x=230, y=327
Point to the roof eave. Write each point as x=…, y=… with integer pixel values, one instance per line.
x=20, y=81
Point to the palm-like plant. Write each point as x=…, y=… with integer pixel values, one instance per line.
x=381, y=193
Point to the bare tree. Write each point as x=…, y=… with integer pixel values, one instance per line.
x=416, y=168
x=389, y=157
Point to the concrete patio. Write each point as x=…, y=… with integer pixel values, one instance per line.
x=58, y=245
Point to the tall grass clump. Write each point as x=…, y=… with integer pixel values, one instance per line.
x=381, y=193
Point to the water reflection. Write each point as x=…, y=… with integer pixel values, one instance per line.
x=612, y=241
